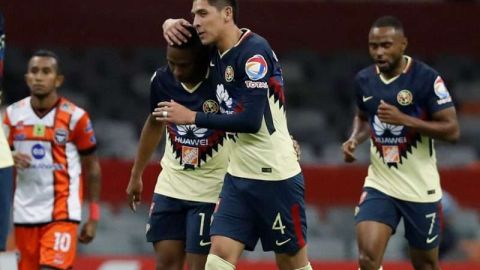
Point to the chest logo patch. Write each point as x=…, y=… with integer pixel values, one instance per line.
x=210, y=106
x=405, y=97
x=190, y=155
x=229, y=74
x=39, y=131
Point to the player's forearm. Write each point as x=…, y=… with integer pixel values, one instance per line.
x=360, y=129
x=149, y=139
x=94, y=182
x=247, y=121
x=447, y=130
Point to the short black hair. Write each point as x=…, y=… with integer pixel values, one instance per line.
x=219, y=4
x=388, y=21
x=48, y=53
x=195, y=45
x=193, y=42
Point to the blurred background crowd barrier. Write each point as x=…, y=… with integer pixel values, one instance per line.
x=109, y=50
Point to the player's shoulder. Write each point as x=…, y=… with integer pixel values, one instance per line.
x=366, y=73
x=422, y=69
x=252, y=43
x=161, y=74
x=18, y=105
x=71, y=108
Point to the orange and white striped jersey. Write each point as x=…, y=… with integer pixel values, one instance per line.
x=51, y=188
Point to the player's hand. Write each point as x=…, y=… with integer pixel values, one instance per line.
x=134, y=192
x=297, y=148
x=348, y=148
x=170, y=111
x=175, y=31
x=390, y=114
x=88, y=232
x=22, y=161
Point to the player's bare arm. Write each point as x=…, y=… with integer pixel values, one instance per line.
x=443, y=126
x=170, y=111
x=175, y=31
x=360, y=132
x=149, y=139
x=92, y=168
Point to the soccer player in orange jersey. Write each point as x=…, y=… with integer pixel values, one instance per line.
x=52, y=140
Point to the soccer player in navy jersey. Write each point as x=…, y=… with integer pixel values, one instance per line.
x=193, y=165
x=403, y=105
x=263, y=192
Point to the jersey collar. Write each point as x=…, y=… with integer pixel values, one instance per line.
x=191, y=90
x=245, y=33
x=405, y=70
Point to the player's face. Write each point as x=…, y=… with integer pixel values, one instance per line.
x=42, y=77
x=386, y=46
x=208, y=20
x=182, y=64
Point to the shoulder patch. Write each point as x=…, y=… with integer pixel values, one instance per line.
x=441, y=91
x=256, y=67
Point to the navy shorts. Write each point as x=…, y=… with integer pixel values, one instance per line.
x=175, y=219
x=422, y=220
x=272, y=211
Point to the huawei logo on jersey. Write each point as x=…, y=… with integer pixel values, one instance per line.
x=185, y=130
x=226, y=102
x=381, y=127
x=393, y=142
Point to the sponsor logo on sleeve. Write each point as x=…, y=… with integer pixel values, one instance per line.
x=256, y=67
x=252, y=84
x=441, y=91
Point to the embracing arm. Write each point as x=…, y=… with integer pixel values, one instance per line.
x=247, y=121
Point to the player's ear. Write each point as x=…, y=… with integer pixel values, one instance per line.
x=404, y=43
x=59, y=81
x=227, y=14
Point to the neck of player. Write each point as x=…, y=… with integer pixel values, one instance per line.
x=230, y=37
x=397, y=70
x=46, y=102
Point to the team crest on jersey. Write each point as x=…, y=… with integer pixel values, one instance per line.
x=256, y=67
x=61, y=136
x=405, y=97
x=229, y=74
x=210, y=106
x=441, y=91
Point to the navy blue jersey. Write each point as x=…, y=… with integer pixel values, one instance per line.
x=250, y=90
x=195, y=159
x=403, y=163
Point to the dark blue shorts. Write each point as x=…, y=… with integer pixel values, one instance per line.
x=422, y=220
x=175, y=219
x=273, y=211
x=6, y=194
